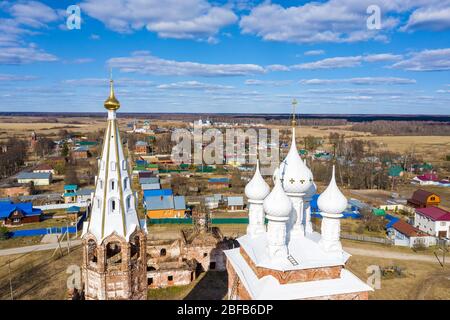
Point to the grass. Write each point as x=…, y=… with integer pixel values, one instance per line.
x=58, y=222
x=20, y=242
x=37, y=275
x=420, y=280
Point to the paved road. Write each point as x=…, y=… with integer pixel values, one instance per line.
x=392, y=255
x=37, y=247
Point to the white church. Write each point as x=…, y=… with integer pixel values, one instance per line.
x=285, y=259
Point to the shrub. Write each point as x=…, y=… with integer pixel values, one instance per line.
x=4, y=233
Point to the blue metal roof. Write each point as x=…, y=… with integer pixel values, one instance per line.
x=151, y=186
x=70, y=187
x=73, y=209
x=34, y=175
x=179, y=202
x=84, y=192
x=158, y=192
x=159, y=202
x=219, y=180
x=6, y=208
x=149, y=180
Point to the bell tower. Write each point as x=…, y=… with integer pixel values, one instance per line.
x=114, y=242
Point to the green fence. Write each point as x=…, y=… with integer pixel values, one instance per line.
x=189, y=221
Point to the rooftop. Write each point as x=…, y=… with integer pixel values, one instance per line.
x=34, y=175
x=434, y=213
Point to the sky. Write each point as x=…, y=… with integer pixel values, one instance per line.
x=227, y=56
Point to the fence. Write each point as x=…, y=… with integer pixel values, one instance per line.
x=366, y=238
x=44, y=231
x=345, y=215
x=61, y=206
x=189, y=221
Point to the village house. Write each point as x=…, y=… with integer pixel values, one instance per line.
x=44, y=168
x=422, y=199
x=84, y=195
x=81, y=153
x=426, y=179
x=433, y=220
x=38, y=179
x=141, y=147
x=73, y=213
x=12, y=190
x=70, y=193
x=405, y=234
x=235, y=203
x=218, y=183
x=18, y=213
x=161, y=203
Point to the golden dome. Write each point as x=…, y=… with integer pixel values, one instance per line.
x=112, y=103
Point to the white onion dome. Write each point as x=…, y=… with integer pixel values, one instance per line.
x=296, y=176
x=311, y=190
x=332, y=200
x=277, y=203
x=257, y=188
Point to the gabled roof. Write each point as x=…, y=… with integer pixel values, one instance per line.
x=26, y=208
x=84, y=192
x=150, y=180
x=158, y=192
x=73, y=209
x=34, y=175
x=434, y=213
x=407, y=229
x=235, y=201
x=70, y=187
x=420, y=196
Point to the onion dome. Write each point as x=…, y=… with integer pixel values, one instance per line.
x=296, y=176
x=257, y=188
x=112, y=103
x=277, y=203
x=332, y=200
x=311, y=190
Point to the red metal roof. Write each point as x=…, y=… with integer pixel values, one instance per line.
x=435, y=213
x=407, y=229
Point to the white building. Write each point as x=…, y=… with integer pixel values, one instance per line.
x=37, y=178
x=433, y=220
x=286, y=259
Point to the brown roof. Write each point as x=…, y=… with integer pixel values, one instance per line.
x=420, y=196
x=43, y=166
x=407, y=229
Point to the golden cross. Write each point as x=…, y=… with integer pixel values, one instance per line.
x=292, y=181
x=294, y=104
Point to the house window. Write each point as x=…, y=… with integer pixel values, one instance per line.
x=149, y=281
x=432, y=198
x=16, y=220
x=113, y=184
x=212, y=265
x=170, y=278
x=113, y=205
x=442, y=223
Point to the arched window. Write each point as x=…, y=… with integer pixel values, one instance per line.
x=162, y=252
x=125, y=183
x=98, y=202
x=100, y=183
x=92, y=251
x=113, y=166
x=134, y=247
x=128, y=202
x=112, y=185
x=124, y=164
x=113, y=254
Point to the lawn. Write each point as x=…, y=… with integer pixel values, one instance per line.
x=20, y=242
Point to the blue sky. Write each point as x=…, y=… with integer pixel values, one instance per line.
x=227, y=56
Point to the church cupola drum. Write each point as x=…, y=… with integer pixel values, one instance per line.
x=114, y=242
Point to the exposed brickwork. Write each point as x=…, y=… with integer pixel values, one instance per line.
x=122, y=276
x=293, y=276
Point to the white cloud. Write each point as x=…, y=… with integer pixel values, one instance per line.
x=276, y=83
x=143, y=62
x=23, y=55
x=193, y=85
x=382, y=57
x=336, y=62
x=13, y=77
x=432, y=18
x=314, y=52
x=187, y=19
x=360, y=81
x=94, y=37
x=277, y=67
x=105, y=81
x=32, y=13
x=337, y=21
x=426, y=60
